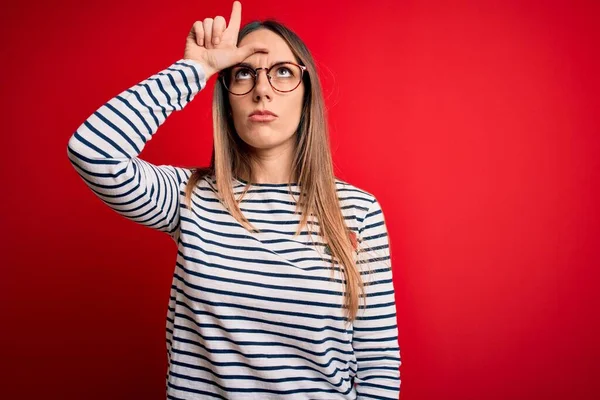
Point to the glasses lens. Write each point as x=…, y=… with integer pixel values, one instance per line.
x=284, y=77
x=240, y=80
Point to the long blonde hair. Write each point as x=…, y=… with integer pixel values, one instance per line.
x=312, y=167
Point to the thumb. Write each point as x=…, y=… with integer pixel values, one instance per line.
x=246, y=51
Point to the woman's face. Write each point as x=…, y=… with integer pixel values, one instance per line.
x=279, y=130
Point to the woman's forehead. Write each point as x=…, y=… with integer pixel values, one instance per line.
x=278, y=49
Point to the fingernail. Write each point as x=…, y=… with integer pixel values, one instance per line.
x=217, y=40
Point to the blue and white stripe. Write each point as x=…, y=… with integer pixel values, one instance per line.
x=250, y=315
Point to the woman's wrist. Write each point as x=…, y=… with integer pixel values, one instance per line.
x=208, y=71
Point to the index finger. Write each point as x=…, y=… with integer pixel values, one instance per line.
x=236, y=16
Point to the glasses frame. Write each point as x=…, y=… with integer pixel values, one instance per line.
x=222, y=76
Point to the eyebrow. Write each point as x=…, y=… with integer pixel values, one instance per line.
x=245, y=64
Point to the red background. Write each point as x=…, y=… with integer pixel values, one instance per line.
x=475, y=125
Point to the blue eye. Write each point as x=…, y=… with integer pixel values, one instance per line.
x=243, y=73
x=287, y=71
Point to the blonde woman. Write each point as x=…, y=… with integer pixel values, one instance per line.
x=282, y=286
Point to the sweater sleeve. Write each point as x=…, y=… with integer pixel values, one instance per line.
x=104, y=149
x=375, y=335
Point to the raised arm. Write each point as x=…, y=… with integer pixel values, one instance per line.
x=104, y=149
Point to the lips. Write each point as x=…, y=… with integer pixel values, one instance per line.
x=262, y=116
x=263, y=112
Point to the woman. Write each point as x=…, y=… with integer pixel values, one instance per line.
x=274, y=253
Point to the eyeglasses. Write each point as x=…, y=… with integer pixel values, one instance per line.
x=283, y=77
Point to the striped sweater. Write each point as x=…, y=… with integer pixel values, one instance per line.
x=250, y=315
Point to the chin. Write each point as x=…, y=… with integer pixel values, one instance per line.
x=263, y=142
x=259, y=135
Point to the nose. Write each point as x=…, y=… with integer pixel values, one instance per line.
x=263, y=88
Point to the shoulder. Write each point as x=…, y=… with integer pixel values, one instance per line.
x=349, y=191
x=356, y=202
x=200, y=175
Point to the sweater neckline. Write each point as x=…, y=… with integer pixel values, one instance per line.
x=266, y=185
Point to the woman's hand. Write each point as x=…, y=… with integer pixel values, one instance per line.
x=214, y=45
